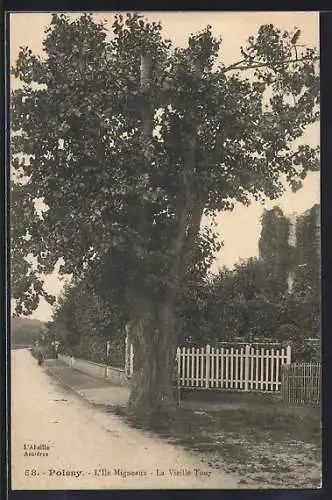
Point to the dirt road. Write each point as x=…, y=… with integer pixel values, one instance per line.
x=59, y=442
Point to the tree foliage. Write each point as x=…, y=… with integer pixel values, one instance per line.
x=26, y=281
x=77, y=122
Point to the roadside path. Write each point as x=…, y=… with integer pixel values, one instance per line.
x=95, y=390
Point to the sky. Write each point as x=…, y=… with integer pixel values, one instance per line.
x=240, y=228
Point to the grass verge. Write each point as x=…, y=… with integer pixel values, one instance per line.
x=268, y=444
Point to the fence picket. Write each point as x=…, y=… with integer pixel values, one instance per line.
x=217, y=368
x=192, y=362
x=183, y=363
x=197, y=358
x=262, y=370
x=212, y=368
x=226, y=368
x=251, y=358
x=256, y=370
x=222, y=368
x=277, y=370
x=267, y=373
x=202, y=367
x=272, y=378
x=241, y=367
x=236, y=368
x=207, y=366
x=246, y=368
x=187, y=366
x=231, y=368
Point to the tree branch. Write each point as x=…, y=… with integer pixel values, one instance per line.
x=233, y=66
x=236, y=66
x=196, y=217
x=146, y=112
x=179, y=242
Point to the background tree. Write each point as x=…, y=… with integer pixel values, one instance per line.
x=237, y=305
x=83, y=322
x=307, y=273
x=128, y=143
x=275, y=251
x=253, y=300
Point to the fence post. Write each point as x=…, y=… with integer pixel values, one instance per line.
x=178, y=364
x=207, y=366
x=283, y=383
x=178, y=381
x=131, y=360
x=108, y=350
x=288, y=355
x=246, y=367
x=126, y=355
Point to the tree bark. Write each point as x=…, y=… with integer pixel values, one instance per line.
x=153, y=336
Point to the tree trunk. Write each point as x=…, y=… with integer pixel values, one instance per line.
x=153, y=325
x=153, y=336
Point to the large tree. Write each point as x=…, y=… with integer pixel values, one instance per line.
x=129, y=142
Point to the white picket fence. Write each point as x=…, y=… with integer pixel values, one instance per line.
x=245, y=368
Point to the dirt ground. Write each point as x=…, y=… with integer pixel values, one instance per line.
x=60, y=442
x=268, y=444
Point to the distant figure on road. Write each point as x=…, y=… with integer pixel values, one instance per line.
x=56, y=348
x=40, y=357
